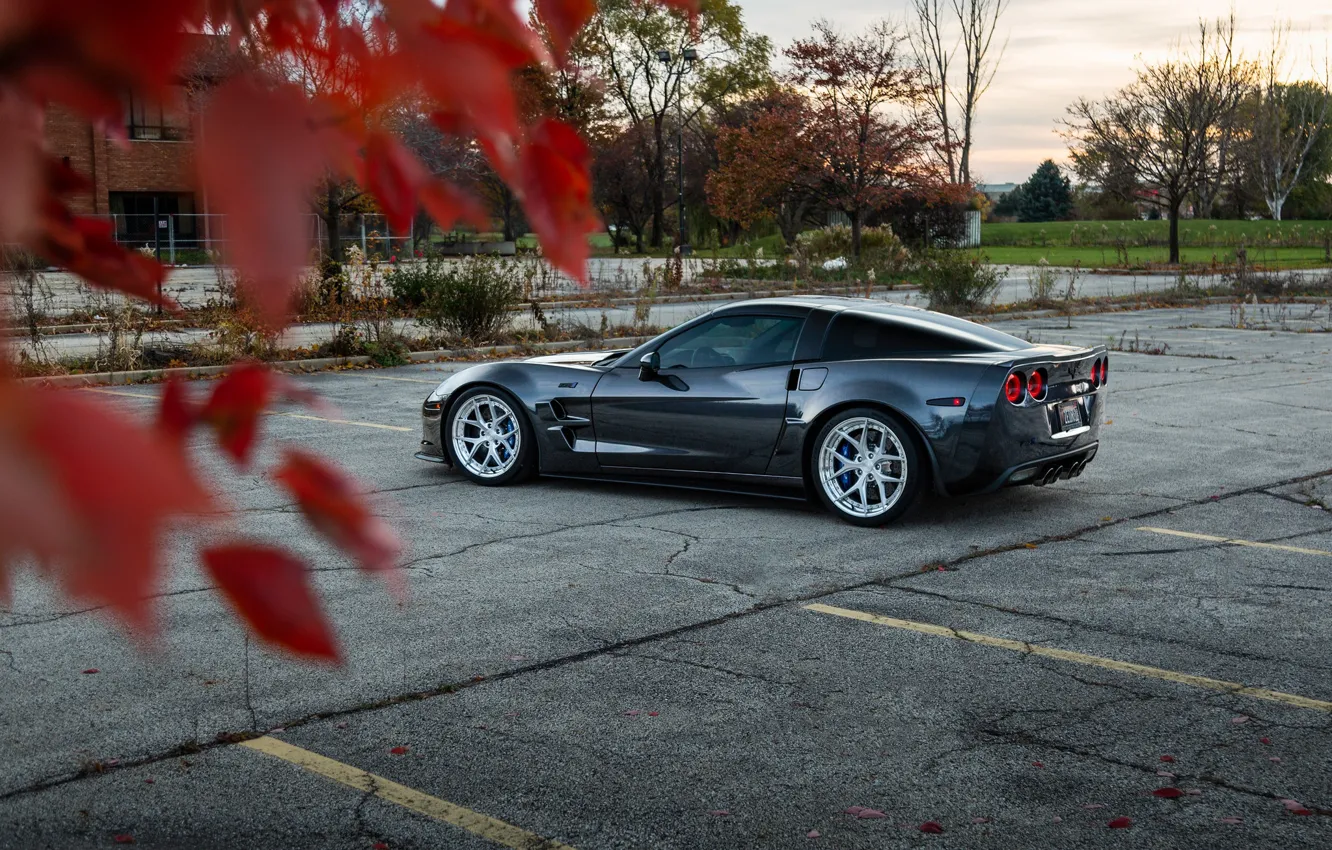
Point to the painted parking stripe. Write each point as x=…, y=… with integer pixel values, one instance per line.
x=1234, y=688
x=273, y=412
x=1231, y=541
x=483, y=826
x=338, y=421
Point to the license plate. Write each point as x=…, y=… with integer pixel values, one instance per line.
x=1070, y=416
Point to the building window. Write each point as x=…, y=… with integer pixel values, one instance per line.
x=150, y=121
x=136, y=224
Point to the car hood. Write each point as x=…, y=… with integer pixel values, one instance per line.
x=574, y=358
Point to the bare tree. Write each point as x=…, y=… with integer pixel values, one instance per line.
x=1289, y=119
x=976, y=24
x=1158, y=139
x=1235, y=81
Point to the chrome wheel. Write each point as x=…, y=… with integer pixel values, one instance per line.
x=862, y=467
x=486, y=436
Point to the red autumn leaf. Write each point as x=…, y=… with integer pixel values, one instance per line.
x=379, y=845
x=124, y=839
x=394, y=176
x=870, y=814
x=1232, y=820
x=557, y=194
x=1264, y=740
x=270, y=590
x=399, y=751
x=64, y=498
x=1295, y=807
x=330, y=502
x=238, y=166
x=931, y=827
x=1037, y=764
x=88, y=248
x=234, y=408
x=1167, y=758
x=1120, y=823
x=1168, y=793
x=447, y=204
x=176, y=415
x=563, y=19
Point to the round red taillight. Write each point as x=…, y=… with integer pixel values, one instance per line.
x=1096, y=374
x=1013, y=387
x=1105, y=370
x=1036, y=385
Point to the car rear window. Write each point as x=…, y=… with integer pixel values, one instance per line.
x=856, y=336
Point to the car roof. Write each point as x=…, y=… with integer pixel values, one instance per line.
x=917, y=316
x=835, y=303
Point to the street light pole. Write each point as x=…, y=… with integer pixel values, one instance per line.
x=689, y=55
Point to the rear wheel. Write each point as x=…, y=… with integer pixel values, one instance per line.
x=489, y=438
x=865, y=467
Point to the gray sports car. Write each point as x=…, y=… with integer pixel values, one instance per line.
x=856, y=402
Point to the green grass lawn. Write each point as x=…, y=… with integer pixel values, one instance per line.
x=1098, y=257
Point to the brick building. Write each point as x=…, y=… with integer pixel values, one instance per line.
x=156, y=164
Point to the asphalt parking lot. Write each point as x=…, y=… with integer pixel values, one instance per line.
x=602, y=666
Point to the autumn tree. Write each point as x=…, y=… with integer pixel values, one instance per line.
x=621, y=189
x=626, y=36
x=863, y=129
x=89, y=493
x=1158, y=139
x=766, y=169
x=944, y=34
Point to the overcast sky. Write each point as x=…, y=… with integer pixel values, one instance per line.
x=1059, y=50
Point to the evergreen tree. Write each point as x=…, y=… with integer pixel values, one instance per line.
x=1046, y=196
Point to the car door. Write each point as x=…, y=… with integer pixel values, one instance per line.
x=717, y=403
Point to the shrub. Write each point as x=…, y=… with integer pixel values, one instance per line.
x=954, y=281
x=410, y=281
x=470, y=299
x=880, y=249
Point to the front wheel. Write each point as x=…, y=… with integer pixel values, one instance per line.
x=489, y=438
x=865, y=467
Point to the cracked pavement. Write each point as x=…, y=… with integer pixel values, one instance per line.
x=612, y=666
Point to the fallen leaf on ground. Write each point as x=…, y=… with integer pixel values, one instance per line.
x=1037, y=764
x=632, y=713
x=1274, y=758
x=1264, y=740
x=1120, y=823
x=720, y=813
x=1295, y=807
x=124, y=839
x=931, y=827
x=399, y=751
x=91, y=670
x=1167, y=758
x=1167, y=774
x=980, y=820
x=1243, y=718
x=1168, y=793
x=654, y=713
x=813, y=833
x=1232, y=820
x=1056, y=819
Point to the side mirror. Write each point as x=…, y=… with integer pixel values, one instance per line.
x=649, y=366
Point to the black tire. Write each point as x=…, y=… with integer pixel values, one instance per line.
x=525, y=464
x=900, y=460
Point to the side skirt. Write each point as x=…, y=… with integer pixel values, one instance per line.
x=764, y=486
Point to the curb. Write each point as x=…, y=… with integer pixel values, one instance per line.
x=320, y=364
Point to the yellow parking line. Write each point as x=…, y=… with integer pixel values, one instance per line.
x=1234, y=688
x=273, y=412
x=373, y=377
x=1230, y=541
x=483, y=826
x=339, y=421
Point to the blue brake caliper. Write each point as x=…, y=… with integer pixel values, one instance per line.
x=845, y=478
x=507, y=444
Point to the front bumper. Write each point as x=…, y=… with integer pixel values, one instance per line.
x=432, y=442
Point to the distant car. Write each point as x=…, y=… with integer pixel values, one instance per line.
x=858, y=403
